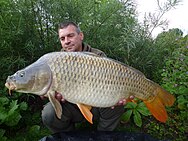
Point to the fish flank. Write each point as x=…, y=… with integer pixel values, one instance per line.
x=87, y=79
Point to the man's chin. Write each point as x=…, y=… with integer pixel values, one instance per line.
x=70, y=50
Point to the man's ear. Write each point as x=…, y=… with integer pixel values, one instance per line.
x=81, y=34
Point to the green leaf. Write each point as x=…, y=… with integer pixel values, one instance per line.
x=182, y=90
x=23, y=106
x=13, y=119
x=126, y=116
x=137, y=118
x=141, y=104
x=182, y=102
x=3, y=115
x=4, y=100
x=130, y=105
x=34, y=131
x=13, y=107
x=143, y=109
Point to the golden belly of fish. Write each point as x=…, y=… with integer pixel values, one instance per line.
x=92, y=81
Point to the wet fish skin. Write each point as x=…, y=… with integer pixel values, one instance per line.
x=87, y=79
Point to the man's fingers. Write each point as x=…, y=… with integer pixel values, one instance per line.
x=123, y=101
x=112, y=107
x=63, y=100
x=43, y=97
x=131, y=97
x=59, y=97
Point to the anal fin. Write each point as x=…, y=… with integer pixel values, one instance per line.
x=85, y=110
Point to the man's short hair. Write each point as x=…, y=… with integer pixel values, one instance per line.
x=67, y=23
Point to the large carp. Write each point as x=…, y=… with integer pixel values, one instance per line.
x=89, y=80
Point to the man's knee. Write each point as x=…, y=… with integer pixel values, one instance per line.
x=110, y=118
x=51, y=121
x=48, y=114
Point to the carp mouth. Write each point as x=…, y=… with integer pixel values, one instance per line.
x=10, y=86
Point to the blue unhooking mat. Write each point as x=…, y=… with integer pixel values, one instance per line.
x=99, y=136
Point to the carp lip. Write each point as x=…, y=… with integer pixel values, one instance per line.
x=10, y=92
x=10, y=86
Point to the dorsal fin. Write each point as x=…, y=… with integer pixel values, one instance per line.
x=135, y=70
x=95, y=55
x=91, y=53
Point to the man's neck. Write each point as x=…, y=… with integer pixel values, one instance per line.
x=82, y=46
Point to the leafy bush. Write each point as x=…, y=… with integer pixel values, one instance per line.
x=175, y=80
x=10, y=114
x=2, y=132
x=10, y=111
x=135, y=110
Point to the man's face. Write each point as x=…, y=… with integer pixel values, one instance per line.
x=70, y=40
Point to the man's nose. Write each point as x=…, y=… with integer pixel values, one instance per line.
x=67, y=41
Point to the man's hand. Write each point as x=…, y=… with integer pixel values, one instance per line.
x=43, y=97
x=59, y=97
x=123, y=101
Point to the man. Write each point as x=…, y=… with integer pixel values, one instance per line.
x=71, y=39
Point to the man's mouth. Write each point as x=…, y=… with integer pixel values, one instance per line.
x=70, y=47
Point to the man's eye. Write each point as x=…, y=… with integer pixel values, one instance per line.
x=71, y=35
x=62, y=39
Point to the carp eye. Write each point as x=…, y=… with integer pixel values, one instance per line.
x=22, y=74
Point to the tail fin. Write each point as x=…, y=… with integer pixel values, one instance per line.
x=158, y=103
x=166, y=98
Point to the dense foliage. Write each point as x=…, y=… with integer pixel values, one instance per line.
x=28, y=29
x=174, y=78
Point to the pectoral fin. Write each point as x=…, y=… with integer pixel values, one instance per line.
x=56, y=104
x=85, y=110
